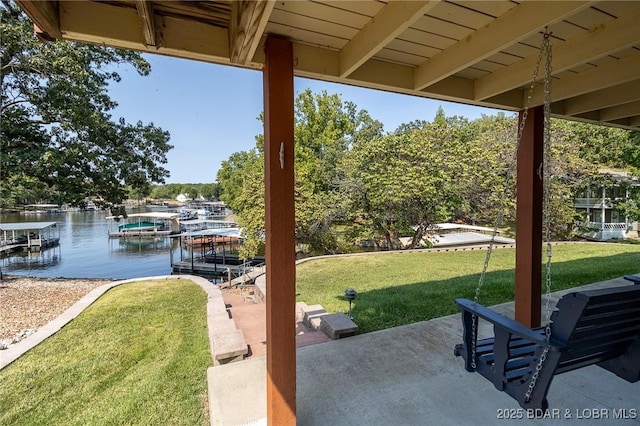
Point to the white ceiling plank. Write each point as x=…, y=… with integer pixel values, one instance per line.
x=601, y=41
x=248, y=22
x=324, y=12
x=514, y=25
x=392, y=20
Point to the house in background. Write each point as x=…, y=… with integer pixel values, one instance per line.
x=597, y=204
x=183, y=198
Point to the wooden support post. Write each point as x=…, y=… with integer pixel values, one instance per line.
x=529, y=221
x=280, y=232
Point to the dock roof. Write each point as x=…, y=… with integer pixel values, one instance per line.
x=213, y=232
x=156, y=215
x=26, y=226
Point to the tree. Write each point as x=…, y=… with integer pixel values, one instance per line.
x=601, y=145
x=325, y=128
x=241, y=180
x=492, y=169
x=232, y=176
x=404, y=183
x=58, y=139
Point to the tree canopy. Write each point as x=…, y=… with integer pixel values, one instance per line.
x=354, y=182
x=58, y=140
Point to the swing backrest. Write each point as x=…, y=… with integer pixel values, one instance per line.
x=595, y=325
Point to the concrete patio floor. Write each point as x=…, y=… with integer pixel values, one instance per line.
x=409, y=376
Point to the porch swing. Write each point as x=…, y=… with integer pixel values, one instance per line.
x=587, y=327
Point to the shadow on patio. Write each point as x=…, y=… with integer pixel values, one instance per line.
x=408, y=376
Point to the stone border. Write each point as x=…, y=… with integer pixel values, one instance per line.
x=14, y=352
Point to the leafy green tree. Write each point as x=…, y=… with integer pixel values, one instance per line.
x=631, y=152
x=241, y=181
x=601, y=145
x=325, y=128
x=56, y=134
x=209, y=191
x=630, y=207
x=571, y=172
x=232, y=176
x=491, y=159
x=404, y=183
x=252, y=208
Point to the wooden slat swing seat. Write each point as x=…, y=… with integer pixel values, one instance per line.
x=599, y=327
x=588, y=327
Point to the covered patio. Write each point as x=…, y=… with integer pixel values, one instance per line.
x=408, y=376
x=473, y=52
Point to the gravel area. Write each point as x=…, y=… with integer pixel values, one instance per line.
x=27, y=303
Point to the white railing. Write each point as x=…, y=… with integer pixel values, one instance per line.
x=605, y=231
x=617, y=226
x=592, y=203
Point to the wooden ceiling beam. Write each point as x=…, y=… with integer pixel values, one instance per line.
x=248, y=22
x=518, y=23
x=615, y=35
x=617, y=112
x=392, y=20
x=145, y=12
x=100, y=23
x=601, y=77
x=45, y=16
x=603, y=98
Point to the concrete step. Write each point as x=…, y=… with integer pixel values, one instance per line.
x=337, y=326
x=311, y=316
x=300, y=308
x=228, y=347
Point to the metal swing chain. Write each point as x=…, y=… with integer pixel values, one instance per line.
x=509, y=173
x=546, y=188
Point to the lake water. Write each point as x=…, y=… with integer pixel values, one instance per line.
x=86, y=251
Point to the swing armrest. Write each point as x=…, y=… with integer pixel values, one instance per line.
x=509, y=325
x=633, y=278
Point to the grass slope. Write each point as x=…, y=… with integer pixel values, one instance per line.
x=401, y=288
x=138, y=355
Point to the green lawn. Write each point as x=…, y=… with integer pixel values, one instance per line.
x=138, y=355
x=402, y=288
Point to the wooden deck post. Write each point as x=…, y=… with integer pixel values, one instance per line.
x=529, y=221
x=280, y=232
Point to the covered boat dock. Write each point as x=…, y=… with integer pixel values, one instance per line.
x=31, y=236
x=150, y=224
x=210, y=253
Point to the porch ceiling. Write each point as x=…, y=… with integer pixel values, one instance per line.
x=474, y=52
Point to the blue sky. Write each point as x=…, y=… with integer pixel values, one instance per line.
x=211, y=110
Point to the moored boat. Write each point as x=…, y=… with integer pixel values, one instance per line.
x=144, y=224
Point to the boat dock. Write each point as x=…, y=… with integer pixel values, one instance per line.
x=223, y=267
x=216, y=270
x=29, y=236
x=150, y=224
x=137, y=233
